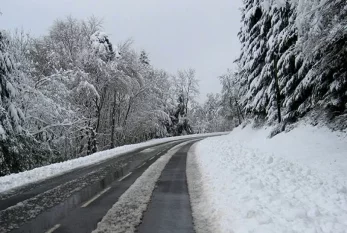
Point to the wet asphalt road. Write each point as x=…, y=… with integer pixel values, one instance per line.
x=77, y=201
x=31, y=190
x=169, y=210
x=38, y=207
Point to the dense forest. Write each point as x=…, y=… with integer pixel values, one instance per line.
x=293, y=61
x=73, y=92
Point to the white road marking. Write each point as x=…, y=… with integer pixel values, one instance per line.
x=125, y=176
x=95, y=197
x=152, y=158
x=141, y=165
x=53, y=228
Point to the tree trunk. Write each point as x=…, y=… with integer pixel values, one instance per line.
x=89, y=145
x=113, y=122
x=278, y=92
x=94, y=142
x=127, y=113
x=238, y=109
x=81, y=144
x=99, y=107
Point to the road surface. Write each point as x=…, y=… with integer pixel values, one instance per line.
x=77, y=201
x=169, y=210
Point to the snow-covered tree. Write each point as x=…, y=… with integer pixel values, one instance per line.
x=211, y=116
x=18, y=151
x=323, y=42
x=186, y=90
x=144, y=58
x=230, y=98
x=73, y=92
x=268, y=37
x=10, y=117
x=293, y=58
x=102, y=46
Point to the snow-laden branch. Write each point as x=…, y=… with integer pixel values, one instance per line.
x=62, y=124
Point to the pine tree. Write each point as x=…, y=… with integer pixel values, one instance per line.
x=267, y=61
x=253, y=36
x=181, y=125
x=280, y=58
x=293, y=58
x=17, y=150
x=323, y=42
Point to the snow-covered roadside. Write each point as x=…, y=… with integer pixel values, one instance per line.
x=204, y=222
x=38, y=174
x=294, y=182
x=125, y=215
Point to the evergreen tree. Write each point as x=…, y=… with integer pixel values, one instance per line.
x=18, y=151
x=269, y=64
x=254, y=36
x=180, y=123
x=9, y=117
x=280, y=58
x=323, y=42
x=293, y=58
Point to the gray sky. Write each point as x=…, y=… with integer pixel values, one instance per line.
x=177, y=34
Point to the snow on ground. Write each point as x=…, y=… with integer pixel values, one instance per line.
x=204, y=221
x=294, y=182
x=126, y=214
x=12, y=181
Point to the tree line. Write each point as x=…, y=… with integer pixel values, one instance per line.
x=73, y=92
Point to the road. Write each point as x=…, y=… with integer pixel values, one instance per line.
x=78, y=200
x=169, y=210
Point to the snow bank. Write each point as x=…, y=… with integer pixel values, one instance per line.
x=12, y=181
x=204, y=222
x=317, y=147
x=294, y=182
x=125, y=215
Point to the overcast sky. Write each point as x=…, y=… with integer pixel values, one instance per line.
x=177, y=34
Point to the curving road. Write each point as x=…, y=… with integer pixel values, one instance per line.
x=78, y=200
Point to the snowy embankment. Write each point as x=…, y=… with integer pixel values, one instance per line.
x=294, y=182
x=13, y=181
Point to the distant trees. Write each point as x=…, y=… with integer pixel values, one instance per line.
x=220, y=112
x=213, y=115
x=186, y=90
